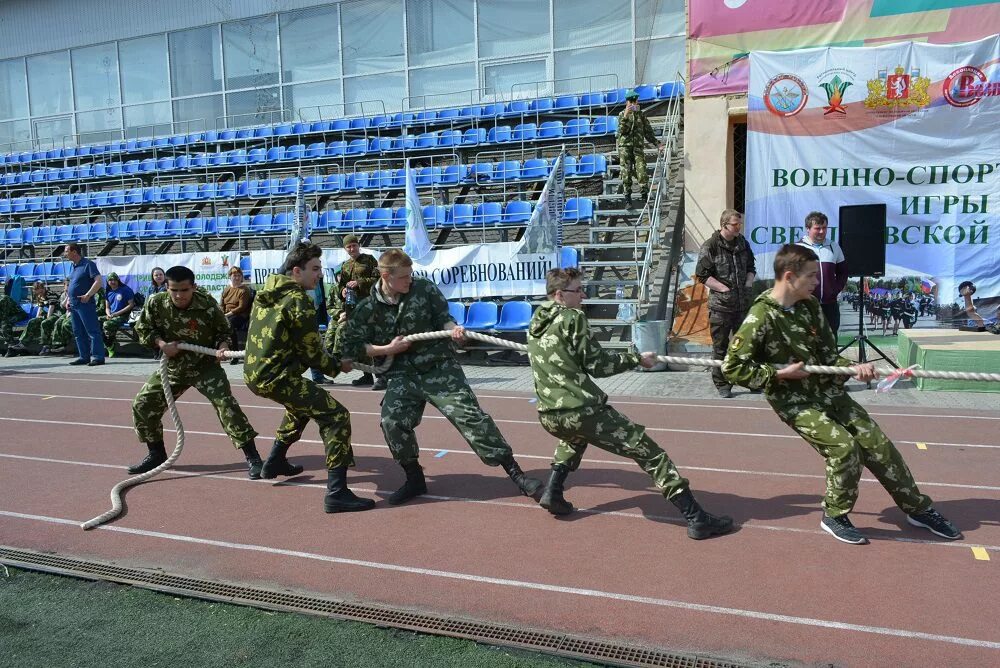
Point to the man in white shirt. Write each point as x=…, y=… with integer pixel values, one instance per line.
x=832, y=267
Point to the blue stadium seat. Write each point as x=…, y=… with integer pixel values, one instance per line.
x=242, y=189
x=509, y=170
x=604, y=125
x=171, y=193
x=457, y=311
x=50, y=203
x=402, y=142
x=173, y=228
x=330, y=219
x=315, y=150
x=380, y=145
x=259, y=188
x=246, y=265
x=426, y=140
x=578, y=209
x=491, y=109
x=43, y=235
x=592, y=165
x=541, y=104
x=288, y=186
x=300, y=128
x=470, y=112
x=514, y=317
x=427, y=176
x=131, y=167
x=18, y=205
x=256, y=155
x=498, y=134
x=398, y=219
x=489, y=213
x=295, y=152
x=462, y=215
x=228, y=225
x=206, y=191
x=592, y=100
x=217, y=159
x=400, y=119
x=449, y=138
x=155, y=229
x=616, y=96
x=331, y=184
x=355, y=219
x=127, y=230
x=244, y=133
x=227, y=135
x=311, y=183
x=226, y=190
x=25, y=270
x=211, y=227
x=535, y=168
x=34, y=203
x=99, y=199
x=474, y=136
x=260, y=224
x=516, y=108
x=336, y=148
x=263, y=131
x=434, y=216
x=524, y=132
x=98, y=232
x=646, y=92
x=188, y=192
x=146, y=166
x=275, y=154
x=550, y=130
x=670, y=89
x=480, y=172
x=15, y=236
x=282, y=223
x=379, y=219
x=396, y=179
x=577, y=127
x=245, y=224
x=517, y=212
x=193, y=228
x=481, y=316
x=164, y=164
x=29, y=236
x=357, y=147
x=567, y=102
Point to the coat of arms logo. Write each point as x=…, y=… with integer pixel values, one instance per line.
x=898, y=90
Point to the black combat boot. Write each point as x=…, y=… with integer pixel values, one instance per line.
x=339, y=499
x=157, y=455
x=365, y=379
x=414, y=486
x=552, y=498
x=277, y=463
x=254, y=463
x=700, y=524
x=529, y=486
x=628, y=200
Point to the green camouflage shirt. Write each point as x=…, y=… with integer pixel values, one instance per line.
x=201, y=323
x=634, y=130
x=364, y=270
x=376, y=321
x=283, y=339
x=564, y=355
x=772, y=334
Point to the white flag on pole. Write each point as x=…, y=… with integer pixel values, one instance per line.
x=417, y=244
x=544, y=231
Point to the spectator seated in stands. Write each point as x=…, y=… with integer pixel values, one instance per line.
x=236, y=301
x=58, y=335
x=157, y=283
x=11, y=313
x=119, y=302
x=44, y=306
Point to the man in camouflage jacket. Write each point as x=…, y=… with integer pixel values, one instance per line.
x=11, y=313
x=422, y=372
x=786, y=326
x=282, y=343
x=186, y=314
x=564, y=355
x=634, y=130
x=45, y=311
x=357, y=276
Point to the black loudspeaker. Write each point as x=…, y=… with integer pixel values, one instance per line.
x=862, y=238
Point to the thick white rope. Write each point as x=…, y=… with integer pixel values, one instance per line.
x=116, y=500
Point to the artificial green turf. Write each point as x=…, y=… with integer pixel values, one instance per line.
x=53, y=621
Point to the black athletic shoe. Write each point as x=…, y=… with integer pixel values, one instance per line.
x=94, y=363
x=842, y=529
x=933, y=521
x=380, y=384
x=79, y=362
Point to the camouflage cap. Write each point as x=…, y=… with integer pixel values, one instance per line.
x=113, y=277
x=630, y=94
x=350, y=239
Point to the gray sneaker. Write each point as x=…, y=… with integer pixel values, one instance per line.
x=842, y=529
x=933, y=521
x=725, y=392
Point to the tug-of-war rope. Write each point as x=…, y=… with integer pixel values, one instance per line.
x=116, y=500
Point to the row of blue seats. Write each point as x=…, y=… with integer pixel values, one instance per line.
x=494, y=214
x=358, y=147
x=402, y=119
x=451, y=175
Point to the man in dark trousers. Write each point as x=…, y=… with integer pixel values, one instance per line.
x=726, y=266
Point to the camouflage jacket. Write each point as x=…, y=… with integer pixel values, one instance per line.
x=10, y=310
x=729, y=262
x=364, y=270
x=772, y=334
x=376, y=321
x=634, y=130
x=334, y=304
x=201, y=323
x=43, y=302
x=564, y=355
x=283, y=340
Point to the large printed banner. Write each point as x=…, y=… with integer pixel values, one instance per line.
x=211, y=270
x=914, y=126
x=723, y=32
x=463, y=272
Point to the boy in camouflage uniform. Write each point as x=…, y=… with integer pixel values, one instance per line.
x=633, y=132
x=422, y=372
x=786, y=326
x=354, y=282
x=186, y=314
x=283, y=341
x=11, y=313
x=44, y=305
x=57, y=333
x=564, y=354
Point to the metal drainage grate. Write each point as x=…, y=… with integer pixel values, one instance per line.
x=611, y=653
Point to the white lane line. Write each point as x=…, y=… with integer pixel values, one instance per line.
x=528, y=395
x=528, y=585
x=371, y=488
x=668, y=430
x=617, y=462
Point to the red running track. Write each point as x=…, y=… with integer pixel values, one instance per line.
x=779, y=588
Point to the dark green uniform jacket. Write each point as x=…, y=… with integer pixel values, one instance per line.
x=201, y=323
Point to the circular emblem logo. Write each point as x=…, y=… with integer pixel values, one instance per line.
x=965, y=86
x=785, y=95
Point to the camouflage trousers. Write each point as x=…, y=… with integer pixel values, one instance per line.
x=110, y=326
x=11, y=313
x=847, y=438
x=59, y=333
x=609, y=430
x=446, y=389
x=149, y=405
x=633, y=162
x=304, y=400
x=38, y=331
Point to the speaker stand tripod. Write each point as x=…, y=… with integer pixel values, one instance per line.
x=861, y=339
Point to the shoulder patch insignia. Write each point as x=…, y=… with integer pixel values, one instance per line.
x=736, y=342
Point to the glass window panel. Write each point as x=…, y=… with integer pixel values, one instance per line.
x=310, y=44
x=13, y=93
x=501, y=79
x=443, y=86
x=440, y=31
x=198, y=113
x=15, y=136
x=53, y=132
x=144, y=69
x=251, y=52
x=315, y=101
x=95, y=77
x=512, y=27
x=659, y=17
x=373, y=35
x=366, y=95
x=195, y=61
x=590, y=22
x=593, y=69
x=99, y=126
x=253, y=107
x=659, y=60
x=147, y=120
x=48, y=83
